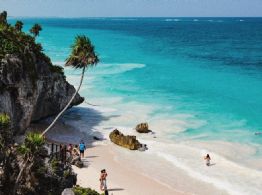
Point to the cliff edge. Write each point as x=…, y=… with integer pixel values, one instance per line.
x=31, y=88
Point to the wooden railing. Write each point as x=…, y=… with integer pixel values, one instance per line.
x=56, y=150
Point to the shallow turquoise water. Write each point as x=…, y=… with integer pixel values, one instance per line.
x=210, y=68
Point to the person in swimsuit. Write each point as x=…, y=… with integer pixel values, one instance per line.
x=207, y=158
x=102, y=179
x=75, y=155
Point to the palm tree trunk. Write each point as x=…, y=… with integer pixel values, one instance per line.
x=65, y=108
x=20, y=175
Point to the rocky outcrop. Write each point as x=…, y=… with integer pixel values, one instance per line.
x=126, y=141
x=31, y=88
x=142, y=128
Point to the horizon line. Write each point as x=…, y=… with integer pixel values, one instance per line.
x=134, y=17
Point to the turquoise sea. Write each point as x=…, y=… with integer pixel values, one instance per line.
x=208, y=67
x=201, y=77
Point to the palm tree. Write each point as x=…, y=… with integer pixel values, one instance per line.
x=36, y=29
x=19, y=25
x=82, y=56
x=3, y=17
x=31, y=147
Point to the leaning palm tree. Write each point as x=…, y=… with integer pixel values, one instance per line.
x=19, y=25
x=36, y=29
x=82, y=56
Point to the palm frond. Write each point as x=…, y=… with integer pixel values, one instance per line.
x=82, y=53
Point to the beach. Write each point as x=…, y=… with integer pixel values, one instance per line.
x=196, y=98
x=122, y=178
x=166, y=168
x=124, y=175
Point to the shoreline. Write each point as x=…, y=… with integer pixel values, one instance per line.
x=126, y=176
x=121, y=179
x=179, y=173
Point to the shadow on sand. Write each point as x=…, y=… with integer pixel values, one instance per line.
x=115, y=189
x=76, y=124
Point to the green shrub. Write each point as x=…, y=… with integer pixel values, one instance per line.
x=66, y=173
x=84, y=191
x=4, y=119
x=54, y=164
x=56, y=69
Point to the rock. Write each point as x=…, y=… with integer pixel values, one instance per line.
x=97, y=138
x=142, y=128
x=79, y=164
x=126, y=141
x=32, y=90
x=68, y=191
x=143, y=147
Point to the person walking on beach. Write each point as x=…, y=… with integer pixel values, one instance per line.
x=207, y=158
x=103, y=186
x=82, y=148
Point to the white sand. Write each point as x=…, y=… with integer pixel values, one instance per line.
x=135, y=173
x=121, y=178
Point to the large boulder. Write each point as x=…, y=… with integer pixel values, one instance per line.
x=142, y=128
x=126, y=141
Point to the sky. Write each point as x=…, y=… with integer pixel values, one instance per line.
x=132, y=8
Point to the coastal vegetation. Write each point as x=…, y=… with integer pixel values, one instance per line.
x=28, y=77
x=26, y=168
x=35, y=30
x=29, y=150
x=3, y=17
x=8, y=163
x=14, y=41
x=19, y=25
x=84, y=191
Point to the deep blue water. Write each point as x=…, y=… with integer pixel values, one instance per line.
x=210, y=68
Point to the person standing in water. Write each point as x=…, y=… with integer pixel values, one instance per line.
x=207, y=158
x=82, y=148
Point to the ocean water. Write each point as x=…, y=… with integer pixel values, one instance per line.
x=194, y=80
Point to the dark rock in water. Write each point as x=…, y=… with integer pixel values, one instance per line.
x=96, y=138
x=126, y=141
x=31, y=88
x=143, y=147
x=142, y=128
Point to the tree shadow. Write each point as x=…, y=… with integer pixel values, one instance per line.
x=76, y=124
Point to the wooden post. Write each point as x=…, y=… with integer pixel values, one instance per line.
x=56, y=151
x=52, y=149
